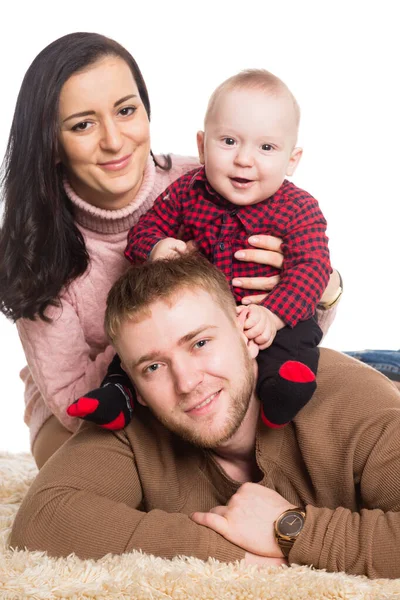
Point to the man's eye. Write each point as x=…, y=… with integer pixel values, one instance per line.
x=229, y=141
x=83, y=126
x=152, y=368
x=267, y=147
x=127, y=111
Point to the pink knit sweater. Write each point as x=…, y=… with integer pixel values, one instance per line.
x=69, y=356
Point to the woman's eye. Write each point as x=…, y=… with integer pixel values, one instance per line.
x=229, y=141
x=127, y=111
x=267, y=147
x=83, y=126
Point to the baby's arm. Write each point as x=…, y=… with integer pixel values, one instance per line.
x=306, y=266
x=162, y=221
x=168, y=248
x=260, y=325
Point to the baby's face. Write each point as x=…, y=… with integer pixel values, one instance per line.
x=248, y=146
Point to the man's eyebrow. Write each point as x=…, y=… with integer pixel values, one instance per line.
x=87, y=113
x=154, y=355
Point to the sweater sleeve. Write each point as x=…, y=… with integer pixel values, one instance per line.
x=60, y=360
x=88, y=499
x=364, y=542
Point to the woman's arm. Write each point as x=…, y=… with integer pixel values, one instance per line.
x=62, y=364
x=267, y=251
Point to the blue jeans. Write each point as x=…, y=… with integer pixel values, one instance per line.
x=385, y=361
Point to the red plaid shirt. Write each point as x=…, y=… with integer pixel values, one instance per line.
x=221, y=228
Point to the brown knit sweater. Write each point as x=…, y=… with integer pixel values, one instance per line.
x=340, y=458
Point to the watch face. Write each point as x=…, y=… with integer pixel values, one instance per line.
x=291, y=523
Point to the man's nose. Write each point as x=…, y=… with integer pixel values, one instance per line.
x=187, y=376
x=111, y=138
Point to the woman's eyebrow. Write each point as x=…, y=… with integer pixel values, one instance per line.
x=86, y=113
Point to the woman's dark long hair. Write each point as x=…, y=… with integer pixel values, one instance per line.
x=41, y=249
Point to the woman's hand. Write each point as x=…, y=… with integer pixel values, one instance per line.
x=267, y=251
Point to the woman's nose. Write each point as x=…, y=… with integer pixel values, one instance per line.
x=111, y=137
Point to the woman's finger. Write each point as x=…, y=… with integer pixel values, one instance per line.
x=256, y=299
x=256, y=283
x=266, y=242
x=262, y=257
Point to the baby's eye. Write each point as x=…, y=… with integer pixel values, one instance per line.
x=126, y=111
x=83, y=126
x=201, y=343
x=267, y=147
x=229, y=141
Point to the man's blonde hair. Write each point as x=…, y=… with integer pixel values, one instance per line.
x=259, y=79
x=133, y=293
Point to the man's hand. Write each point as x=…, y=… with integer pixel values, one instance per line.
x=168, y=248
x=248, y=519
x=263, y=561
x=260, y=324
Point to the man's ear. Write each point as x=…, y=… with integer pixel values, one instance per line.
x=200, y=145
x=294, y=160
x=138, y=396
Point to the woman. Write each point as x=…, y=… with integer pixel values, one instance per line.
x=79, y=173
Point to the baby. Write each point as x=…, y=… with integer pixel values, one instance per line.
x=248, y=147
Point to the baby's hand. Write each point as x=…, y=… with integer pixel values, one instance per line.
x=260, y=325
x=168, y=248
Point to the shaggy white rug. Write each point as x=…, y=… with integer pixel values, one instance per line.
x=35, y=576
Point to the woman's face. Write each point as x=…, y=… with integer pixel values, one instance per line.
x=104, y=134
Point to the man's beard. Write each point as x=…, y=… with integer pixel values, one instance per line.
x=240, y=400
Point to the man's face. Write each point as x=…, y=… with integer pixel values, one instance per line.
x=191, y=367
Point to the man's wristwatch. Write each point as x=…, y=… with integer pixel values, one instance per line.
x=329, y=303
x=288, y=527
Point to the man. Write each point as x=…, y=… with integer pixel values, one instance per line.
x=196, y=472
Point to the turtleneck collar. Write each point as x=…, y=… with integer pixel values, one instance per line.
x=119, y=220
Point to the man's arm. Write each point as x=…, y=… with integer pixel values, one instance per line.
x=365, y=447
x=88, y=499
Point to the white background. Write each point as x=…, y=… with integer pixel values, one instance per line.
x=341, y=60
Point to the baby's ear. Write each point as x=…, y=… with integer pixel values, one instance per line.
x=294, y=160
x=200, y=145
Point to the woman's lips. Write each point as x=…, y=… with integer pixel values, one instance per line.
x=116, y=165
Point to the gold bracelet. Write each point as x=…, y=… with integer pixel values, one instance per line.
x=329, y=304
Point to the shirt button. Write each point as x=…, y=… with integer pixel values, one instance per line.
x=222, y=246
x=233, y=212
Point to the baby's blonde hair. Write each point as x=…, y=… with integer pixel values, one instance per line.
x=253, y=79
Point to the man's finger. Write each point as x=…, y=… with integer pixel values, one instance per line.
x=211, y=520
